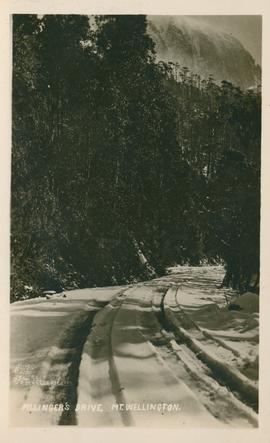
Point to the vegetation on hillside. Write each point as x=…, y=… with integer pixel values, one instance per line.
x=121, y=165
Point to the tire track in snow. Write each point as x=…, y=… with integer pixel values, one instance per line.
x=208, y=387
x=221, y=371
x=138, y=359
x=99, y=361
x=117, y=389
x=166, y=355
x=62, y=363
x=225, y=405
x=207, y=334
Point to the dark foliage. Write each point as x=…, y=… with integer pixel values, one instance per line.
x=122, y=166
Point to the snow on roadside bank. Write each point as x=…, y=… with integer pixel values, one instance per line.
x=45, y=335
x=60, y=349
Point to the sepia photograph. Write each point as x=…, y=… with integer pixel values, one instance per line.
x=135, y=220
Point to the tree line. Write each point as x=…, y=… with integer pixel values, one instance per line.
x=122, y=166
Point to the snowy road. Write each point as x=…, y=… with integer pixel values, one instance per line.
x=162, y=353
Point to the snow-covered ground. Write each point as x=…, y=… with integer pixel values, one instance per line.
x=167, y=352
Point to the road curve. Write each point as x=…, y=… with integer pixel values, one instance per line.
x=165, y=353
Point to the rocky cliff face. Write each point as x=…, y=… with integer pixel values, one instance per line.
x=203, y=50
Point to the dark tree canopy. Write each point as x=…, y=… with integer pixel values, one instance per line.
x=121, y=165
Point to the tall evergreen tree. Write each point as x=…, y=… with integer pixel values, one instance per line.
x=122, y=165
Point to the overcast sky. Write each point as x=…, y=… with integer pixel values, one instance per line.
x=247, y=28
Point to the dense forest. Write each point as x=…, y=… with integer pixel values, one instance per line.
x=122, y=166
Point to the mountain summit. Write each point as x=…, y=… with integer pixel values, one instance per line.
x=203, y=49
